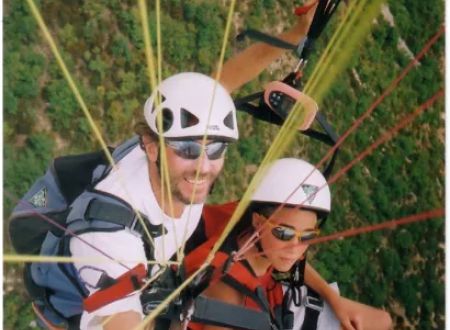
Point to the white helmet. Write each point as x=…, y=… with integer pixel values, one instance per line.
x=283, y=183
x=185, y=105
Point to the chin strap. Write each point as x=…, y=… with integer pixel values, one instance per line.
x=293, y=280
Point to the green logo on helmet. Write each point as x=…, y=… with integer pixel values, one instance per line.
x=310, y=192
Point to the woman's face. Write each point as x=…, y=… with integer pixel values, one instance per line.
x=282, y=254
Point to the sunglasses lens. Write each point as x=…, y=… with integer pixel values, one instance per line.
x=308, y=235
x=283, y=233
x=186, y=149
x=216, y=150
x=193, y=149
x=287, y=234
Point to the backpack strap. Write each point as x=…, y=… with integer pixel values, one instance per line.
x=73, y=173
x=122, y=215
x=99, y=211
x=119, y=152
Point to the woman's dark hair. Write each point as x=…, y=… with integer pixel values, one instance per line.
x=266, y=209
x=141, y=128
x=245, y=223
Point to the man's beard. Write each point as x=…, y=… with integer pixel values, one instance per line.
x=176, y=193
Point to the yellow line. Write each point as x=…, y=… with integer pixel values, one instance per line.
x=328, y=63
x=165, y=177
x=342, y=29
x=147, y=45
x=77, y=94
x=205, y=135
x=14, y=258
x=68, y=77
x=352, y=41
x=159, y=40
x=164, y=172
x=289, y=128
x=335, y=61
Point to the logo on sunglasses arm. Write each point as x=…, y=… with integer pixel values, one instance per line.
x=310, y=192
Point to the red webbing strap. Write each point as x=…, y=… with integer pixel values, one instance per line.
x=299, y=11
x=236, y=270
x=125, y=284
x=198, y=256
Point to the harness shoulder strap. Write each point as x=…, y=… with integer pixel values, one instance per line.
x=313, y=307
x=219, y=313
x=119, y=152
x=99, y=211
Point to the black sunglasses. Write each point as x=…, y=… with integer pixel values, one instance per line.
x=189, y=149
x=286, y=233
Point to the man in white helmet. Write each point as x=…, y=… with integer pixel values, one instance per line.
x=191, y=106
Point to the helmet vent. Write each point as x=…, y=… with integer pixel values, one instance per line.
x=228, y=120
x=167, y=119
x=163, y=98
x=188, y=119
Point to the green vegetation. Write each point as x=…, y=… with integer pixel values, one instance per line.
x=401, y=270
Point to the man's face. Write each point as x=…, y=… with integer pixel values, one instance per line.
x=184, y=184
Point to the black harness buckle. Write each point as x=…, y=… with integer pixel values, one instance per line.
x=314, y=303
x=229, y=262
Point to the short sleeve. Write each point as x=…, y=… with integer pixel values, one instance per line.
x=126, y=249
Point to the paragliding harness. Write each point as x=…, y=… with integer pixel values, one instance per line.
x=62, y=204
x=190, y=306
x=279, y=98
x=267, y=307
x=195, y=310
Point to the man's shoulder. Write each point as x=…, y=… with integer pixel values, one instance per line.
x=119, y=237
x=108, y=251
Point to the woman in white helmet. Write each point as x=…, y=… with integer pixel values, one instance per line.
x=287, y=207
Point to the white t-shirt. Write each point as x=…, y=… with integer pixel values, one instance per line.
x=131, y=182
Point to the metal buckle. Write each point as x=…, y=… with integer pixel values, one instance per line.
x=135, y=228
x=314, y=303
